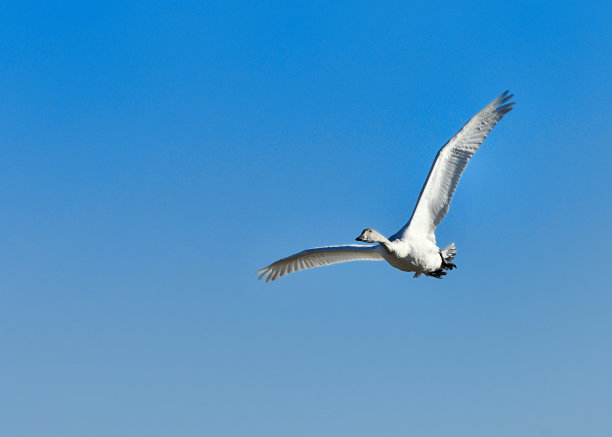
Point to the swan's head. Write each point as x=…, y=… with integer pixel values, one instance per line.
x=369, y=235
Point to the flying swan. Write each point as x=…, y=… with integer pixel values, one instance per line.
x=413, y=248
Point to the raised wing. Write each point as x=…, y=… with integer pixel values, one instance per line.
x=437, y=193
x=319, y=257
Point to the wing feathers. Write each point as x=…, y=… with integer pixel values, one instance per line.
x=319, y=257
x=437, y=193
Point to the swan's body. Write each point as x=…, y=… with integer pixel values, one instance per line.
x=413, y=248
x=413, y=255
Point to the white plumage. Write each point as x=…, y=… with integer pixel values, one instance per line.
x=319, y=257
x=413, y=248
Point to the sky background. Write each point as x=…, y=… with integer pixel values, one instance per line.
x=153, y=155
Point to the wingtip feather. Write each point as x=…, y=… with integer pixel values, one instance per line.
x=504, y=109
x=503, y=98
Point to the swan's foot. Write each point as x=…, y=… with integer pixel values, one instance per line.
x=416, y=275
x=437, y=273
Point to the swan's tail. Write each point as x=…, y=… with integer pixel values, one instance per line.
x=448, y=253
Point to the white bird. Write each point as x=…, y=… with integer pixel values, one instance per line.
x=413, y=248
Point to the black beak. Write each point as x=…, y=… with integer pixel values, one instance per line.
x=359, y=238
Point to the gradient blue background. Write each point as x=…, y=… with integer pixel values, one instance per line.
x=154, y=155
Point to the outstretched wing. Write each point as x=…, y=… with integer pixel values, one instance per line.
x=437, y=193
x=319, y=257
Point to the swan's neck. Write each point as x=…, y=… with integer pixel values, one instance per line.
x=386, y=244
x=382, y=240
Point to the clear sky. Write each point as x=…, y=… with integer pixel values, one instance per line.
x=153, y=155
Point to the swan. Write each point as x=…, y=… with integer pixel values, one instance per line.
x=413, y=248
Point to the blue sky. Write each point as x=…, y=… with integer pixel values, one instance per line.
x=154, y=155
